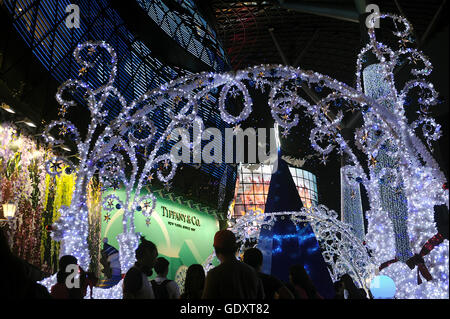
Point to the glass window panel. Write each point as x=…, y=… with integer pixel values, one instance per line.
x=267, y=178
x=301, y=173
x=266, y=169
x=260, y=199
x=301, y=182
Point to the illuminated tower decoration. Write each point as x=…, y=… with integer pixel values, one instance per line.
x=284, y=243
x=351, y=206
x=393, y=199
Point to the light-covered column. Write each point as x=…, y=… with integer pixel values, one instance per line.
x=390, y=189
x=351, y=205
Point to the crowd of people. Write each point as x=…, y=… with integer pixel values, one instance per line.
x=231, y=279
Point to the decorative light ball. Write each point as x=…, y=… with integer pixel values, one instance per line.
x=118, y=206
x=382, y=287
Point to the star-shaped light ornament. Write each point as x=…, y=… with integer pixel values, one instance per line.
x=140, y=128
x=150, y=178
x=63, y=130
x=166, y=164
x=404, y=41
x=353, y=195
x=62, y=111
x=326, y=108
x=236, y=128
x=147, y=222
x=146, y=205
x=55, y=165
x=82, y=71
x=107, y=217
x=285, y=133
x=365, y=136
x=110, y=203
x=373, y=161
x=91, y=50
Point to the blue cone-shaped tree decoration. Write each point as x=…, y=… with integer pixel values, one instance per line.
x=287, y=244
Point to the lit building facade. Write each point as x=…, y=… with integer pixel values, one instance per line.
x=252, y=187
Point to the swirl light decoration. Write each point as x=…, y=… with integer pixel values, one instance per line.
x=108, y=155
x=115, y=147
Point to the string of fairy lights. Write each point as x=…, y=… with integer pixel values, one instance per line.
x=110, y=149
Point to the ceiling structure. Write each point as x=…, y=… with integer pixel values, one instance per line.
x=318, y=35
x=326, y=37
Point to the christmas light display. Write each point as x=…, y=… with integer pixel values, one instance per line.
x=110, y=150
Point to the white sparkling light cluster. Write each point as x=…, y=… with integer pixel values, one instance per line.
x=113, y=149
x=405, y=181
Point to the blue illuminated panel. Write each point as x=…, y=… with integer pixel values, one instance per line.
x=190, y=30
x=42, y=26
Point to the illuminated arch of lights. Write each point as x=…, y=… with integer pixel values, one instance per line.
x=109, y=148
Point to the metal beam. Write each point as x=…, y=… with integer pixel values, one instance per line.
x=328, y=10
x=432, y=23
x=300, y=56
x=360, y=6
x=304, y=87
x=283, y=57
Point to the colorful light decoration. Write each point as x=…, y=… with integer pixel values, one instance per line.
x=114, y=147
